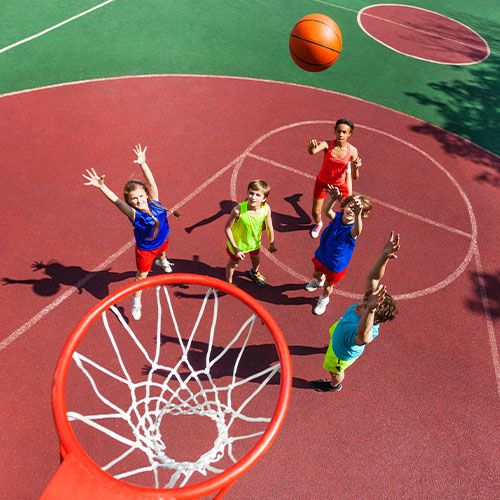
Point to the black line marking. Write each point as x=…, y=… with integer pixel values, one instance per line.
x=324, y=65
x=315, y=43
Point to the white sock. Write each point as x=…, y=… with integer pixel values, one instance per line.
x=137, y=301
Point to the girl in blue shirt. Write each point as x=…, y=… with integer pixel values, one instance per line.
x=337, y=244
x=148, y=217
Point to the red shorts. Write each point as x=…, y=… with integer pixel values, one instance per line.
x=331, y=277
x=321, y=190
x=235, y=259
x=144, y=258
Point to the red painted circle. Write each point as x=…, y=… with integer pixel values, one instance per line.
x=423, y=34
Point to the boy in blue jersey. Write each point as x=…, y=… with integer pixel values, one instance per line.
x=337, y=244
x=360, y=323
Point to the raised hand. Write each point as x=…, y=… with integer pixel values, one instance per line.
x=141, y=154
x=311, y=145
x=356, y=206
x=93, y=178
x=376, y=298
x=392, y=246
x=334, y=192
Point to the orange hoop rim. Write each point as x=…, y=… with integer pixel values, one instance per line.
x=223, y=480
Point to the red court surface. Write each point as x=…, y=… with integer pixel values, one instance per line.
x=418, y=415
x=423, y=34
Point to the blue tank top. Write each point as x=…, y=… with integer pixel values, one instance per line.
x=344, y=335
x=144, y=227
x=336, y=245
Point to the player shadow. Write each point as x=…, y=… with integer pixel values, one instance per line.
x=254, y=359
x=94, y=282
x=281, y=222
x=274, y=294
x=490, y=284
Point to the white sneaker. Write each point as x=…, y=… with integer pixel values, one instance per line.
x=314, y=285
x=320, y=306
x=136, y=312
x=164, y=264
x=316, y=230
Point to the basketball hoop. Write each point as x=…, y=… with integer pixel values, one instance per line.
x=209, y=378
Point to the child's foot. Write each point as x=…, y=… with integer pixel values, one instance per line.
x=136, y=311
x=320, y=306
x=314, y=285
x=316, y=230
x=164, y=264
x=258, y=278
x=324, y=386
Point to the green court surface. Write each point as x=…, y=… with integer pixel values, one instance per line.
x=250, y=39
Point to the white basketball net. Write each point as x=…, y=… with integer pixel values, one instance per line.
x=208, y=399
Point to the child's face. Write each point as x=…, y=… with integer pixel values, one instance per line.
x=343, y=132
x=255, y=198
x=349, y=214
x=138, y=198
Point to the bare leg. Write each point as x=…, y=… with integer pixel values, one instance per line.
x=327, y=289
x=255, y=261
x=337, y=378
x=139, y=276
x=317, y=206
x=230, y=267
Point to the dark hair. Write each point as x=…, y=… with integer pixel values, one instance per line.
x=365, y=203
x=344, y=121
x=259, y=185
x=386, y=311
x=132, y=185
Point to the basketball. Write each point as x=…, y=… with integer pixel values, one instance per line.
x=315, y=42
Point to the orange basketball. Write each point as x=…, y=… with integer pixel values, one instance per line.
x=315, y=42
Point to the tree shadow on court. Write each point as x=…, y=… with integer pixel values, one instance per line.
x=94, y=282
x=281, y=222
x=490, y=284
x=470, y=107
x=254, y=359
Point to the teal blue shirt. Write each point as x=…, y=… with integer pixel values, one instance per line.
x=344, y=337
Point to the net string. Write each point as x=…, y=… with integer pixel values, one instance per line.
x=208, y=399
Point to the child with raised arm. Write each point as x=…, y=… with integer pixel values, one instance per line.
x=337, y=244
x=340, y=166
x=244, y=231
x=359, y=325
x=148, y=216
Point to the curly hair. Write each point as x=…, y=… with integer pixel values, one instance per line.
x=387, y=310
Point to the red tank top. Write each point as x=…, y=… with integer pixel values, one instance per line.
x=333, y=169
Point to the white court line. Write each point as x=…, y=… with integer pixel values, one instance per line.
x=375, y=200
x=65, y=295
x=489, y=321
x=52, y=28
x=410, y=28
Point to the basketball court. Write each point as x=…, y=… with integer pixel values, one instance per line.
x=418, y=415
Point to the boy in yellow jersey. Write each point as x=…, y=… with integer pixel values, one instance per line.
x=244, y=230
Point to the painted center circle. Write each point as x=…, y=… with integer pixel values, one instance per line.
x=423, y=34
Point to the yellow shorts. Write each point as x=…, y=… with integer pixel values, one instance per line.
x=331, y=362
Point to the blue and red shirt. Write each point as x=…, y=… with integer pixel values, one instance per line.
x=336, y=245
x=144, y=227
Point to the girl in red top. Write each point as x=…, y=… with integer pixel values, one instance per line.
x=336, y=171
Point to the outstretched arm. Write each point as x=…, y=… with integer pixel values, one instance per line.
x=314, y=146
x=148, y=175
x=358, y=220
x=378, y=268
x=98, y=181
x=364, y=333
x=355, y=163
x=270, y=230
x=334, y=193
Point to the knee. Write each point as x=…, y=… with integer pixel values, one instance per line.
x=141, y=276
